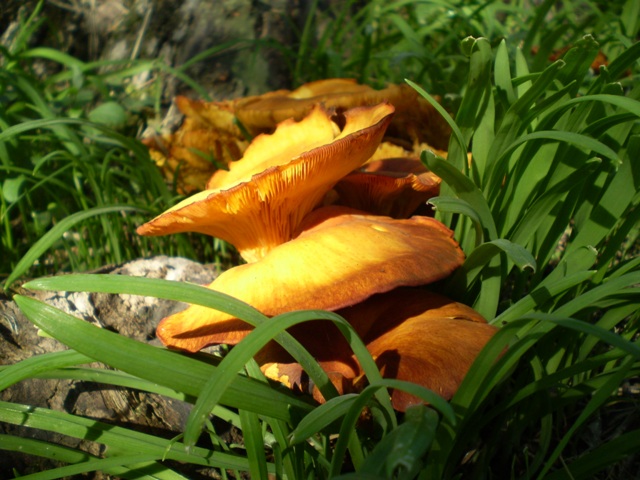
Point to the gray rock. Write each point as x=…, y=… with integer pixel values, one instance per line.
x=130, y=315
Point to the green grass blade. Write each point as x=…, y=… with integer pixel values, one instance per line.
x=401, y=451
x=126, y=466
x=187, y=293
x=39, y=364
x=83, y=462
x=250, y=345
x=541, y=296
x=556, y=111
x=502, y=74
x=254, y=444
x=481, y=257
x=167, y=368
x=456, y=205
x=577, y=139
x=607, y=336
x=464, y=188
x=578, y=61
x=55, y=56
x=476, y=101
x=119, y=439
x=321, y=417
x=588, y=465
x=597, y=399
x=525, y=225
x=611, y=205
x=112, y=377
x=457, y=133
x=613, y=286
x=363, y=398
x=42, y=245
x=41, y=448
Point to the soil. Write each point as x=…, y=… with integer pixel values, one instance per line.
x=174, y=31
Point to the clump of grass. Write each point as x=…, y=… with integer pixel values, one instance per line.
x=551, y=154
x=547, y=213
x=381, y=42
x=69, y=159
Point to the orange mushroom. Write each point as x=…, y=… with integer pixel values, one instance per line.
x=333, y=258
x=412, y=334
x=226, y=123
x=340, y=258
x=262, y=199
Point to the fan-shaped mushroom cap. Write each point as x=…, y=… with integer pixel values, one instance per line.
x=340, y=260
x=413, y=335
x=262, y=199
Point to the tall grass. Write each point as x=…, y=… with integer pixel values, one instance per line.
x=547, y=213
x=379, y=42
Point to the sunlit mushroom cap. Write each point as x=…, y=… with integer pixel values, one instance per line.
x=261, y=113
x=262, y=199
x=264, y=112
x=211, y=128
x=339, y=260
x=412, y=334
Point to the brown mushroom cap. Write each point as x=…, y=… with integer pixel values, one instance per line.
x=388, y=187
x=194, y=151
x=420, y=337
x=340, y=260
x=262, y=199
x=413, y=335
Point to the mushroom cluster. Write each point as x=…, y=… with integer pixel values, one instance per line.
x=215, y=134
x=320, y=228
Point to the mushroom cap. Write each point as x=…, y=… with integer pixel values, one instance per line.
x=412, y=334
x=262, y=199
x=263, y=113
x=420, y=337
x=338, y=260
x=416, y=120
x=395, y=187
